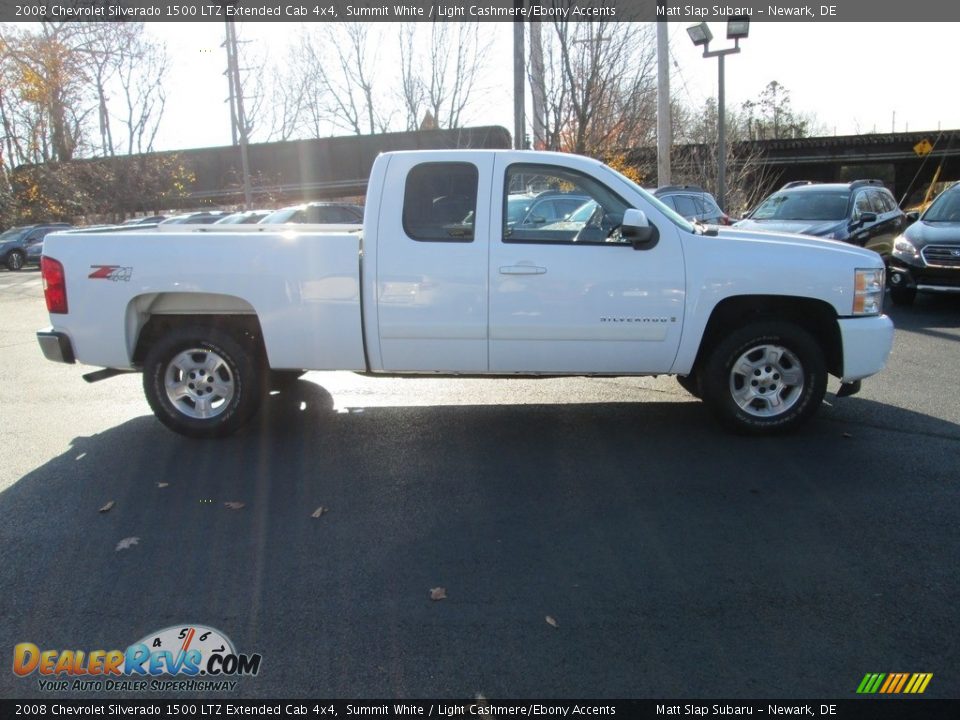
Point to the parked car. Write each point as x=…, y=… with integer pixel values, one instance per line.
x=244, y=217
x=147, y=220
x=23, y=245
x=862, y=212
x=551, y=206
x=204, y=217
x=926, y=257
x=693, y=203
x=318, y=213
x=589, y=223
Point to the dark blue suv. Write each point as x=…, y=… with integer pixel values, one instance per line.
x=862, y=212
x=24, y=244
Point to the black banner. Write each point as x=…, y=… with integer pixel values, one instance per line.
x=477, y=10
x=858, y=709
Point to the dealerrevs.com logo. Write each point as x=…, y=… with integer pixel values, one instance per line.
x=185, y=657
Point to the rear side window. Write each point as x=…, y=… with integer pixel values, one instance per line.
x=440, y=202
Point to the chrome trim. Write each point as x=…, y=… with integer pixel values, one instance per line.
x=938, y=288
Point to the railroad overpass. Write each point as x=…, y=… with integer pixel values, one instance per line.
x=905, y=161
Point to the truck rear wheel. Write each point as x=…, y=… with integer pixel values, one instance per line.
x=765, y=378
x=201, y=382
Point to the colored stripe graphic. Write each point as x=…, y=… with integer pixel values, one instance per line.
x=894, y=683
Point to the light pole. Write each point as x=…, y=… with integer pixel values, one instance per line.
x=737, y=27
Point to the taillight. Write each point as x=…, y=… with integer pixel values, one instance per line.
x=54, y=285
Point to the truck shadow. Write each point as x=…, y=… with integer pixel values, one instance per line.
x=929, y=310
x=620, y=520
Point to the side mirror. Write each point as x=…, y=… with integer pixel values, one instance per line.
x=867, y=217
x=637, y=229
x=913, y=216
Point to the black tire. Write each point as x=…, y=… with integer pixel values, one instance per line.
x=284, y=379
x=227, y=384
x=903, y=296
x=16, y=260
x=765, y=378
x=690, y=383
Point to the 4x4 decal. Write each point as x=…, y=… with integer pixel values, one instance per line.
x=116, y=273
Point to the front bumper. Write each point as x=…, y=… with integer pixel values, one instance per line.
x=56, y=346
x=867, y=342
x=925, y=279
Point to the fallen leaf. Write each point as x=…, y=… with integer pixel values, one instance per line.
x=127, y=543
x=163, y=485
x=551, y=622
x=106, y=508
x=319, y=511
x=438, y=593
x=233, y=505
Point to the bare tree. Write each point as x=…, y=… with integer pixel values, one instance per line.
x=439, y=71
x=329, y=83
x=600, y=83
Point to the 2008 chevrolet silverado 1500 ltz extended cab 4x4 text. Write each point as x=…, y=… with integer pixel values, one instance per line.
x=440, y=281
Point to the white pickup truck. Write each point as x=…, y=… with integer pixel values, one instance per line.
x=462, y=268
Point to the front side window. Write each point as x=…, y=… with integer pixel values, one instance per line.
x=686, y=206
x=440, y=202
x=862, y=205
x=565, y=206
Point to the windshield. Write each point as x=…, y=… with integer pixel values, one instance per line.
x=583, y=213
x=945, y=208
x=678, y=220
x=805, y=205
x=13, y=234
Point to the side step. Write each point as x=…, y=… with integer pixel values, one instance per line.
x=99, y=375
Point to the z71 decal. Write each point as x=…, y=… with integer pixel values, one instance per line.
x=111, y=272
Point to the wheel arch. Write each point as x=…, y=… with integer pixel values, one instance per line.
x=817, y=317
x=150, y=316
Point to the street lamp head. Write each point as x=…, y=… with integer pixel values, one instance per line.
x=700, y=34
x=738, y=27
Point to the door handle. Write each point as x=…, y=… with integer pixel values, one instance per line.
x=522, y=270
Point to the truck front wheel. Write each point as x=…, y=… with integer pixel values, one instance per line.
x=765, y=378
x=201, y=382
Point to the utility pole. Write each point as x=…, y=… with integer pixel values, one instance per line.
x=518, y=80
x=537, y=90
x=664, y=125
x=237, y=114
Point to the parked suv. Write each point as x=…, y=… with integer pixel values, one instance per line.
x=693, y=203
x=926, y=257
x=22, y=245
x=862, y=212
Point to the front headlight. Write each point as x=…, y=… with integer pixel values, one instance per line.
x=868, y=291
x=905, y=249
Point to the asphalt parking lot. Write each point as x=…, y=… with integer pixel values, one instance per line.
x=674, y=560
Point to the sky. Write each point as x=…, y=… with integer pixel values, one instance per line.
x=853, y=77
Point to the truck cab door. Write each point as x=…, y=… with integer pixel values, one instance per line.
x=576, y=296
x=431, y=260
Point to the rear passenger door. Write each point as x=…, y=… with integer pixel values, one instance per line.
x=431, y=265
